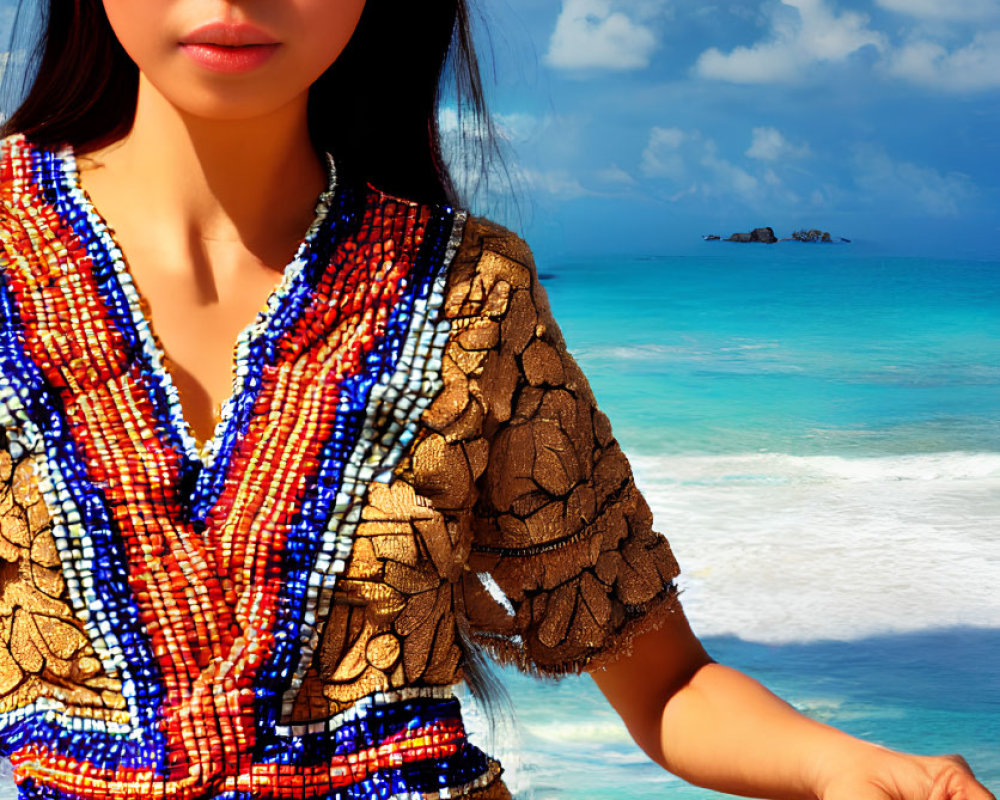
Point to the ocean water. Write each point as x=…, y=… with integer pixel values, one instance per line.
x=817, y=430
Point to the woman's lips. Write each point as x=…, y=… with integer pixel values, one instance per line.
x=223, y=58
x=227, y=47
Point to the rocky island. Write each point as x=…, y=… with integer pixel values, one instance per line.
x=766, y=236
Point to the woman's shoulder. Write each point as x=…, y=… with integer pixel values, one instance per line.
x=485, y=236
x=477, y=242
x=485, y=262
x=492, y=261
x=15, y=153
x=26, y=167
x=10, y=144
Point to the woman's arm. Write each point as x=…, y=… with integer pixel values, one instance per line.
x=718, y=728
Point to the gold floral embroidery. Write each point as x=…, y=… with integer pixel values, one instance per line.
x=44, y=652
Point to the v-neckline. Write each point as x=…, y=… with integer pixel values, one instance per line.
x=140, y=310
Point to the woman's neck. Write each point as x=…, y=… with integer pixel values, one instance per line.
x=253, y=182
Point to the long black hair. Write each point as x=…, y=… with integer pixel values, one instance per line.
x=388, y=83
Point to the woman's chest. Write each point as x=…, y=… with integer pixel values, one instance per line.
x=222, y=565
x=198, y=313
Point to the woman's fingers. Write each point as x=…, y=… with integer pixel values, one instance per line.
x=900, y=776
x=953, y=780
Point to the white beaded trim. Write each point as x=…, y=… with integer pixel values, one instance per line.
x=361, y=708
x=58, y=713
x=73, y=541
x=247, y=336
x=404, y=396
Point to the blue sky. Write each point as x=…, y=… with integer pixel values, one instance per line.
x=637, y=125
x=634, y=126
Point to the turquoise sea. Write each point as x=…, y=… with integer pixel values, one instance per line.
x=817, y=429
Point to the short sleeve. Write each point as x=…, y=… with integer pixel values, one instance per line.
x=565, y=567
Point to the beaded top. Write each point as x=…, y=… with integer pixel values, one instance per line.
x=410, y=465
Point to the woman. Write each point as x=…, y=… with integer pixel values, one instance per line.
x=257, y=570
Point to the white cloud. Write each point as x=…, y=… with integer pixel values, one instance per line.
x=558, y=183
x=769, y=144
x=597, y=34
x=944, y=9
x=806, y=33
x=615, y=175
x=515, y=126
x=662, y=157
x=462, y=145
x=457, y=126
x=771, y=178
x=518, y=126
x=727, y=178
x=685, y=157
x=907, y=187
x=690, y=191
x=814, y=33
x=974, y=67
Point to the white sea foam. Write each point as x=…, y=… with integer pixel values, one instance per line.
x=8, y=789
x=736, y=355
x=781, y=548
x=581, y=732
x=831, y=710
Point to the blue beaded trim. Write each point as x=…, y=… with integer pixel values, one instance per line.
x=89, y=547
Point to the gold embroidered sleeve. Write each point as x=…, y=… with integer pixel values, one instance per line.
x=44, y=652
x=565, y=567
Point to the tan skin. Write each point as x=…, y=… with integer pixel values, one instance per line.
x=205, y=253
x=207, y=248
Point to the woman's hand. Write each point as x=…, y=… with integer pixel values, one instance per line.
x=888, y=775
x=718, y=728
